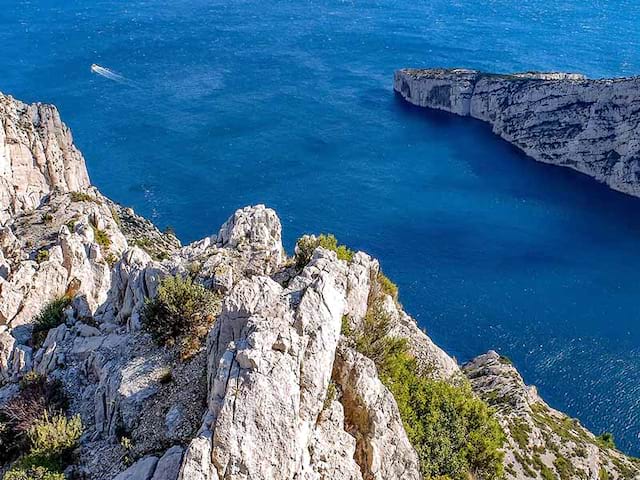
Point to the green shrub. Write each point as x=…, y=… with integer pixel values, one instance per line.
x=34, y=472
x=55, y=436
x=127, y=446
x=37, y=396
x=49, y=317
x=111, y=259
x=71, y=224
x=454, y=433
x=306, y=245
x=373, y=340
x=42, y=256
x=606, y=440
x=83, y=197
x=166, y=376
x=181, y=313
x=505, y=360
x=331, y=395
x=387, y=286
x=47, y=217
x=116, y=216
x=345, y=328
x=331, y=243
x=53, y=440
x=102, y=238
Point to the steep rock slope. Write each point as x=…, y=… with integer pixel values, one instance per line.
x=542, y=442
x=592, y=126
x=37, y=156
x=277, y=392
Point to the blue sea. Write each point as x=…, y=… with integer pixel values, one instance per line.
x=221, y=104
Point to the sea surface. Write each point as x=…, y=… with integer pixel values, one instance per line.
x=212, y=105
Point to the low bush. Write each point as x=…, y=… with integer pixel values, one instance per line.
x=37, y=396
x=71, y=225
x=454, y=433
x=387, y=286
x=102, y=238
x=22, y=471
x=606, y=440
x=345, y=328
x=116, y=216
x=306, y=245
x=53, y=440
x=55, y=437
x=83, y=197
x=181, y=313
x=373, y=340
x=42, y=256
x=49, y=317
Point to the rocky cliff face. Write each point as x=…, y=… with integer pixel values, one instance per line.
x=592, y=126
x=277, y=392
x=37, y=156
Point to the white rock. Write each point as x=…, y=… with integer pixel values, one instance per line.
x=141, y=470
x=383, y=449
x=37, y=156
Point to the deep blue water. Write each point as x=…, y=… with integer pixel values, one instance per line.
x=289, y=103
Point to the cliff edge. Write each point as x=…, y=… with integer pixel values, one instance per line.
x=125, y=355
x=592, y=126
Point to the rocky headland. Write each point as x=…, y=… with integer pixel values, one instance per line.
x=592, y=126
x=287, y=367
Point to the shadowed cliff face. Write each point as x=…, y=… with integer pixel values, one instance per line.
x=592, y=126
x=277, y=392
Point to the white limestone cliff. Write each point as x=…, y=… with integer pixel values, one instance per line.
x=37, y=156
x=592, y=126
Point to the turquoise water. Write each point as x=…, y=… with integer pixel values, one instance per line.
x=289, y=103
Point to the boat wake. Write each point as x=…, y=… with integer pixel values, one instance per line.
x=110, y=74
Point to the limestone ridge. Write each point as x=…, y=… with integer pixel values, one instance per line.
x=37, y=155
x=256, y=402
x=592, y=126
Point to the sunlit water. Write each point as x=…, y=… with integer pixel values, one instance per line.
x=289, y=103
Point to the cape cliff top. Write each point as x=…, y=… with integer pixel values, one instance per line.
x=592, y=126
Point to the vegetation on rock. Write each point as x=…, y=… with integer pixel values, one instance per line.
x=33, y=423
x=387, y=286
x=52, y=440
x=102, y=238
x=181, y=313
x=307, y=244
x=49, y=317
x=606, y=440
x=42, y=256
x=454, y=433
x=83, y=197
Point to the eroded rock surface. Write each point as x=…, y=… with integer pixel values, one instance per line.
x=542, y=442
x=37, y=156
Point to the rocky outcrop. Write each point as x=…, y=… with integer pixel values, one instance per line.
x=542, y=442
x=383, y=449
x=37, y=156
x=592, y=126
